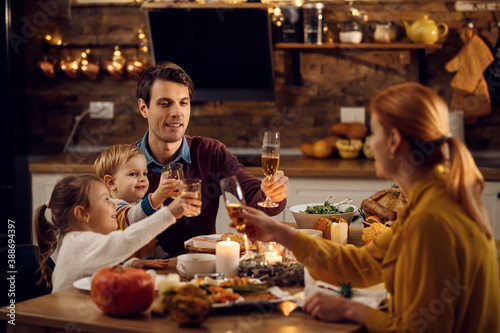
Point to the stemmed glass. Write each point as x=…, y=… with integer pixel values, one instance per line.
x=270, y=160
x=235, y=202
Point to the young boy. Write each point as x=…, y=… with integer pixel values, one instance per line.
x=123, y=169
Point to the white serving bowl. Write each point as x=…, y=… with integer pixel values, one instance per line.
x=306, y=221
x=312, y=232
x=190, y=264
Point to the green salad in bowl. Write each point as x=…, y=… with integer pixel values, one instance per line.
x=307, y=214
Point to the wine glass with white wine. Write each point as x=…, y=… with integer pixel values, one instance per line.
x=270, y=160
x=235, y=203
x=234, y=200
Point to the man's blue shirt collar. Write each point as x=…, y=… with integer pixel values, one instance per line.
x=183, y=154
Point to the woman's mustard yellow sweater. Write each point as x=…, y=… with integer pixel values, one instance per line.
x=441, y=272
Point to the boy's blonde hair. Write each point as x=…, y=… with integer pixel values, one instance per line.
x=108, y=161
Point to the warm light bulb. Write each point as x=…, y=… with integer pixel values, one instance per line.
x=117, y=65
x=84, y=55
x=144, y=49
x=59, y=42
x=48, y=37
x=85, y=62
x=354, y=12
x=74, y=65
x=277, y=11
x=298, y=3
x=270, y=10
x=117, y=53
x=87, y=51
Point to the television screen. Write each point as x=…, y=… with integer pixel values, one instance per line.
x=226, y=51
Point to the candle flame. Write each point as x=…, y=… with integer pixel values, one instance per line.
x=228, y=240
x=287, y=307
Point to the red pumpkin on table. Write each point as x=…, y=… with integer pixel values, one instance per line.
x=122, y=290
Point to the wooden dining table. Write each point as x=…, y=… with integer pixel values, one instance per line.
x=73, y=310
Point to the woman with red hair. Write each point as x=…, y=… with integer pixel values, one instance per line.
x=438, y=260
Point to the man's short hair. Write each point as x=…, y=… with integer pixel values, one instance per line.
x=108, y=162
x=167, y=71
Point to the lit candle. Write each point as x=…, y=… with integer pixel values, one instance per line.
x=272, y=257
x=227, y=255
x=339, y=233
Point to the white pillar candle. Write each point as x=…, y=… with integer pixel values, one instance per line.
x=227, y=258
x=339, y=233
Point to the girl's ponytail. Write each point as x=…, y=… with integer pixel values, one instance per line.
x=46, y=236
x=466, y=183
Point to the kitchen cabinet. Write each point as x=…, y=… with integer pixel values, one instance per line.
x=491, y=201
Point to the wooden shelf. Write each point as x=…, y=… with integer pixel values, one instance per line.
x=417, y=52
x=171, y=5
x=361, y=46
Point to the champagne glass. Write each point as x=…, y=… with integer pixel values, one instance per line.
x=235, y=202
x=270, y=160
x=173, y=171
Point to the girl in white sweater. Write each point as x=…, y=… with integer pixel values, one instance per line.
x=84, y=232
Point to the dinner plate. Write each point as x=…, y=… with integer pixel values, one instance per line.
x=374, y=297
x=276, y=291
x=84, y=283
x=206, y=241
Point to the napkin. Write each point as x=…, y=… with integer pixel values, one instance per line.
x=373, y=297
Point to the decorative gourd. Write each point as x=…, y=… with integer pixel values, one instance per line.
x=374, y=230
x=349, y=149
x=188, y=304
x=325, y=226
x=355, y=130
x=322, y=149
x=367, y=151
x=307, y=149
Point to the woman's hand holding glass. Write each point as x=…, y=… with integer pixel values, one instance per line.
x=235, y=201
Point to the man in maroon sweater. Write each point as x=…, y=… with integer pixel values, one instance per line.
x=164, y=94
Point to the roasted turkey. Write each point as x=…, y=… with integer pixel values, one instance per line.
x=386, y=204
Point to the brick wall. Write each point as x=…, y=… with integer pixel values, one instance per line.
x=331, y=79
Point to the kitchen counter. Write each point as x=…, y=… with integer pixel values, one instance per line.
x=292, y=165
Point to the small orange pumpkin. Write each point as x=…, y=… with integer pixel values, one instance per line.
x=325, y=225
x=372, y=232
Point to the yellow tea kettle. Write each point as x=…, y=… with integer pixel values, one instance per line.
x=425, y=31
